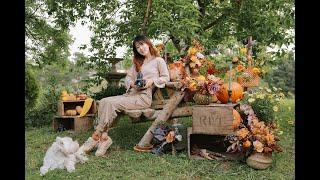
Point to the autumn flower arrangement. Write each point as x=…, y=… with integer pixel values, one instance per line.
x=253, y=135
x=199, y=78
x=202, y=79
x=165, y=138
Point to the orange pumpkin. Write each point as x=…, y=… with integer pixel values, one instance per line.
x=237, y=92
x=236, y=119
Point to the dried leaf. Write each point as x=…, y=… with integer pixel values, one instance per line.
x=267, y=150
x=170, y=137
x=205, y=154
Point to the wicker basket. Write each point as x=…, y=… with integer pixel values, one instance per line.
x=251, y=80
x=204, y=99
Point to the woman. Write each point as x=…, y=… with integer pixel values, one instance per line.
x=146, y=61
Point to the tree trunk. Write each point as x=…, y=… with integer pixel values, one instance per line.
x=146, y=16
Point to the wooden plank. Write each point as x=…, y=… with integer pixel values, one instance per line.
x=170, y=92
x=94, y=107
x=163, y=116
x=148, y=113
x=189, y=132
x=158, y=95
x=217, y=105
x=214, y=120
x=72, y=101
x=89, y=115
x=182, y=111
x=83, y=124
x=158, y=104
x=178, y=112
x=60, y=108
x=65, y=105
x=174, y=85
x=55, y=124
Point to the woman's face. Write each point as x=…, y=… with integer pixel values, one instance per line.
x=142, y=48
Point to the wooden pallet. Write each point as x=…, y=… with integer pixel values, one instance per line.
x=214, y=119
x=213, y=143
x=74, y=123
x=66, y=105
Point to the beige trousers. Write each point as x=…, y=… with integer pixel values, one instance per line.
x=110, y=106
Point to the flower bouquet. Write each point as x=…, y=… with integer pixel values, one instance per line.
x=255, y=139
x=165, y=138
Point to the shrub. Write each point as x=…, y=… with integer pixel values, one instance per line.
x=45, y=108
x=31, y=89
x=264, y=102
x=109, y=91
x=284, y=76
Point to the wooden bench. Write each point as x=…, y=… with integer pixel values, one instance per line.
x=161, y=97
x=166, y=105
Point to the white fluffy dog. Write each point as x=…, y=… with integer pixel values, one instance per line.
x=63, y=153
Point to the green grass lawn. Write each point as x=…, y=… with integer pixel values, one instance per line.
x=124, y=163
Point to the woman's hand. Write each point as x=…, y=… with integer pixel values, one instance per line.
x=149, y=83
x=133, y=86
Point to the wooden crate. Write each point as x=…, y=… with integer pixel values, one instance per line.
x=66, y=105
x=74, y=123
x=212, y=143
x=214, y=119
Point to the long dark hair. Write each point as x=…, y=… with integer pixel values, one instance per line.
x=138, y=58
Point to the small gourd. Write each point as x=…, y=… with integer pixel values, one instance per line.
x=79, y=109
x=71, y=112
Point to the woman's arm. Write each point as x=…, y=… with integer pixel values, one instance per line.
x=130, y=78
x=163, y=74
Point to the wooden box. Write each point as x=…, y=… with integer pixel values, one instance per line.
x=214, y=119
x=66, y=105
x=77, y=124
x=213, y=143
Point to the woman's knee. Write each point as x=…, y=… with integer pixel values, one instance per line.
x=112, y=100
x=107, y=99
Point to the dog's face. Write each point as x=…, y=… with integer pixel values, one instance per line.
x=67, y=145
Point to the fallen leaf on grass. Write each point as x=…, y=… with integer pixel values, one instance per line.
x=291, y=122
x=280, y=132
